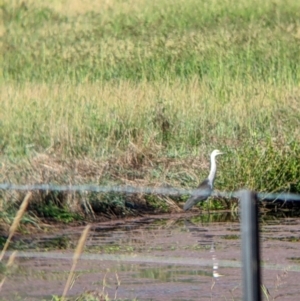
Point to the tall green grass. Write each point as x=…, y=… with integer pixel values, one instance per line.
x=243, y=40
x=155, y=80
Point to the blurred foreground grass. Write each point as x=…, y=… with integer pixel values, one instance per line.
x=135, y=91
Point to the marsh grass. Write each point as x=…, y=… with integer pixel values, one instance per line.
x=128, y=128
x=140, y=92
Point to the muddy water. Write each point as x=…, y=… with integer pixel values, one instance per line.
x=163, y=258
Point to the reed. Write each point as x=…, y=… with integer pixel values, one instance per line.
x=16, y=223
x=77, y=254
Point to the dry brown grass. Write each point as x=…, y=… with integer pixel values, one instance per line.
x=77, y=254
x=16, y=223
x=67, y=117
x=9, y=264
x=13, y=228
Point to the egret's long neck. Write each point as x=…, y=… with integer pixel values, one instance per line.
x=213, y=169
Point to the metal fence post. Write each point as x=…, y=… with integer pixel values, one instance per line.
x=250, y=246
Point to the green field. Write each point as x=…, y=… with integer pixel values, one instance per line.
x=140, y=92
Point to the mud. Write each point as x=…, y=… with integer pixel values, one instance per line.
x=177, y=257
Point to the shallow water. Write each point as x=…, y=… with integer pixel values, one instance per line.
x=177, y=257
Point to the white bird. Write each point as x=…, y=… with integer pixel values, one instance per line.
x=205, y=188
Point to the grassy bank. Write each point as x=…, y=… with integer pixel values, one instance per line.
x=140, y=92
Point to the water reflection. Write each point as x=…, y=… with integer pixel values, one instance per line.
x=178, y=258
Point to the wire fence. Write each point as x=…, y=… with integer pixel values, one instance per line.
x=251, y=262
x=168, y=191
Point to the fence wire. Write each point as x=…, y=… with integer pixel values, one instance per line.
x=169, y=191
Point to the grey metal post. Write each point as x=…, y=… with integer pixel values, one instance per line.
x=250, y=246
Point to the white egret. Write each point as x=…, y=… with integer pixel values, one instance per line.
x=205, y=188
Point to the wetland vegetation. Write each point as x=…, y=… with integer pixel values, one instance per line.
x=139, y=93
